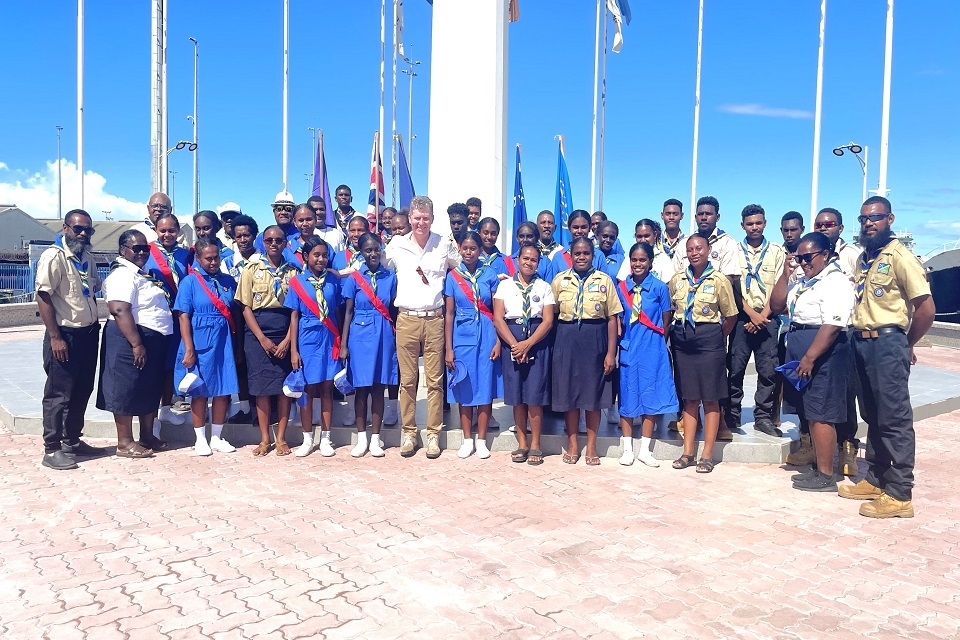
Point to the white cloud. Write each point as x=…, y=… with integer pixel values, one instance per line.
x=754, y=109
x=36, y=193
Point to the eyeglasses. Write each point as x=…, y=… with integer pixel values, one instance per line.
x=422, y=275
x=138, y=248
x=159, y=206
x=872, y=217
x=274, y=241
x=79, y=228
x=808, y=257
x=827, y=224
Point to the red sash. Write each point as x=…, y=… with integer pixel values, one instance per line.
x=468, y=291
x=643, y=319
x=218, y=303
x=376, y=301
x=567, y=258
x=164, y=268
x=511, y=266
x=311, y=303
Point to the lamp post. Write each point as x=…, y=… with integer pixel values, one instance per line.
x=411, y=73
x=856, y=150
x=196, y=158
x=173, y=188
x=59, y=177
x=313, y=149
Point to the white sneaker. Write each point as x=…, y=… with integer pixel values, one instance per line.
x=626, y=458
x=220, y=445
x=201, y=448
x=304, y=449
x=646, y=457
x=482, y=451
x=376, y=448
x=357, y=451
x=350, y=415
x=493, y=424
x=613, y=416
x=326, y=449
x=390, y=413
x=465, y=449
x=168, y=415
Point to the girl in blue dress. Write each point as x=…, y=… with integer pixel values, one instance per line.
x=208, y=330
x=472, y=340
x=647, y=389
x=314, y=297
x=578, y=224
x=167, y=265
x=490, y=254
x=350, y=257
x=206, y=224
x=368, y=332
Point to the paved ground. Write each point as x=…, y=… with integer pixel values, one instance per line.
x=237, y=547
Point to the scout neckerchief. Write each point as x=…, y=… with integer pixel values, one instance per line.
x=635, y=301
x=525, y=311
x=218, y=303
x=716, y=235
x=488, y=258
x=668, y=246
x=803, y=286
x=354, y=259
x=578, y=302
x=149, y=223
x=547, y=249
x=82, y=267
x=318, y=292
x=277, y=273
x=370, y=289
x=693, y=285
x=753, y=272
x=866, y=262
x=470, y=285
x=312, y=302
x=166, y=265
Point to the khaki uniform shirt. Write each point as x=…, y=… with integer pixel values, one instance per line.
x=59, y=276
x=256, y=287
x=769, y=271
x=712, y=302
x=723, y=255
x=894, y=279
x=600, y=299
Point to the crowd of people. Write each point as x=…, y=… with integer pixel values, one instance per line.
x=301, y=312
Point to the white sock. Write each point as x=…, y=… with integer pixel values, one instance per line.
x=324, y=435
x=645, y=444
x=308, y=438
x=216, y=430
x=245, y=405
x=201, y=436
x=361, y=437
x=375, y=440
x=156, y=427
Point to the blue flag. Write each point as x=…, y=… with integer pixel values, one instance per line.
x=404, y=181
x=321, y=186
x=519, y=204
x=563, y=205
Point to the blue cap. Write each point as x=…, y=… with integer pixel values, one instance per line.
x=458, y=374
x=789, y=371
x=342, y=381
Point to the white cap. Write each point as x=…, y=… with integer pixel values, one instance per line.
x=284, y=197
x=229, y=206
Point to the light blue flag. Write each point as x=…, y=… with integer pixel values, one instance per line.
x=563, y=204
x=519, y=204
x=404, y=181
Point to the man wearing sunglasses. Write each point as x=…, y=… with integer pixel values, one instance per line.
x=421, y=260
x=66, y=285
x=893, y=310
x=829, y=222
x=283, y=207
x=157, y=205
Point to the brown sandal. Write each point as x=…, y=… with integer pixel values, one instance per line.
x=262, y=449
x=134, y=450
x=283, y=449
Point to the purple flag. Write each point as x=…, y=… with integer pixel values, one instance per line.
x=321, y=186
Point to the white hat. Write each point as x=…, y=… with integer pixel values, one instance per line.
x=284, y=197
x=229, y=206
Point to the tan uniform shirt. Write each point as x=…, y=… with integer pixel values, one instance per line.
x=600, y=299
x=60, y=276
x=889, y=284
x=257, y=285
x=768, y=268
x=712, y=302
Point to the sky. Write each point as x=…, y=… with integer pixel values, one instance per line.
x=756, y=127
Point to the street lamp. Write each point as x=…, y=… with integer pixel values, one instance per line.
x=313, y=149
x=411, y=73
x=196, y=156
x=183, y=144
x=856, y=150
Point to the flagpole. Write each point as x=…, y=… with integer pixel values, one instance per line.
x=286, y=82
x=383, y=45
x=603, y=114
x=593, y=144
x=885, y=115
x=696, y=123
x=80, y=96
x=817, y=117
x=393, y=125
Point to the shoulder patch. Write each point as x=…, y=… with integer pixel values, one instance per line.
x=883, y=268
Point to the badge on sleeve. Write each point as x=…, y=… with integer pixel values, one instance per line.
x=597, y=307
x=883, y=268
x=603, y=288
x=878, y=292
x=706, y=310
x=715, y=255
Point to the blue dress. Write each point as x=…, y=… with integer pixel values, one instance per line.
x=609, y=264
x=646, y=379
x=474, y=337
x=211, y=334
x=292, y=253
x=561, y=263
x=176, y=264
x=373, y=343
x=225, y=255
x=314, y=340
x=499, y=263
x=347, y=257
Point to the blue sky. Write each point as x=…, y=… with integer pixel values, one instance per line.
x=756, y=52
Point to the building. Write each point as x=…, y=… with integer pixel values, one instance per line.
x=18, y=229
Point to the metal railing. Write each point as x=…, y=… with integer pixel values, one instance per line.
x=17, y=282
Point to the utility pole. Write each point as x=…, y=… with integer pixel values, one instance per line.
x=313, y=149
x=59, y=177
x=411, y=72
x=196, y=141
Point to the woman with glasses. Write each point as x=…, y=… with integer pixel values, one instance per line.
x=266, y=343
x=134, y=348
x=819, y=306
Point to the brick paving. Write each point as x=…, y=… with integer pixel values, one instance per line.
x=237, y=547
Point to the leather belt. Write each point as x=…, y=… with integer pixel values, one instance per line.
x=429, y=313
x=873, y=334
x=796, y=326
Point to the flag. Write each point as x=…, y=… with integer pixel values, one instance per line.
x=519, y=204
x=514, y=10
x=404, y=181
x=375, y=202
x=398, y=27
x=321, y=186
x=563, y=205
x=620, y=10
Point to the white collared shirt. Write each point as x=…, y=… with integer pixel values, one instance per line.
x=662, y=267
x=829, y=301
x=404, y=255
x=148, y=303
x=540, y=295
x=848, y=257
x=332, y=236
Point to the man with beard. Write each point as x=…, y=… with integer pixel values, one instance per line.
x=158, y=204
x=67, y=284
x=894, y=310
x=283, y=207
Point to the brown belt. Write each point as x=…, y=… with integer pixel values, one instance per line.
x=873, y=334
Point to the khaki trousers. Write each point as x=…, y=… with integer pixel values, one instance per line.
x=414, y=334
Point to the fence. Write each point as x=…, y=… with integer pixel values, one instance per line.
x=17, y=282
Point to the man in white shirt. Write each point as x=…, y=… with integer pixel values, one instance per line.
x=421, y=260
x=673, y=238
x=159, y=203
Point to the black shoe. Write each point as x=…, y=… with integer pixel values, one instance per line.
x=765, y=426
x=804, y=474
x=817, y=482
x=241, y=417
x=82, y=449
x=59, y=460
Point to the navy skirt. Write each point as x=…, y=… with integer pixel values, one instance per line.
x=824, y=399
x=700, y=357
x=578, y=381
x=124, y=389
x=265, y=374
x=526, y=383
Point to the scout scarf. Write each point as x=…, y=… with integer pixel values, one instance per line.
x=578, y=302
x=313, y=302
x=866, y=262
x=525, y=311
x=166, y=265
x=277, y=273
x=371, y=292
x=83, y=268
x=637, y=314
x=668, y=246
x=753, y=272
x=547, y=249
x=803, y=286
x=693, y=285
x=469, y=283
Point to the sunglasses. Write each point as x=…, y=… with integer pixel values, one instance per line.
x=872, y=217
x=808, y=257
x=422, y=275
x=287, y=207
x=139, y=248
x=79, y=228
x=829, y=224
x=274, y=241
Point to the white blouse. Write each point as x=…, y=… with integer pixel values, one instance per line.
x=147, y=300
x=829, y=301
x=509, y=292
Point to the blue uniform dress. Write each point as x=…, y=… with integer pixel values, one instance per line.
x=373, y=343
x=498, y=261
x=225, y=255
x=646, y=379
x=609, y=264
x=211, y=333
x=176, y=264
x=348, y=257
x=474, y=337
x=560, y=262
x=314, y=340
